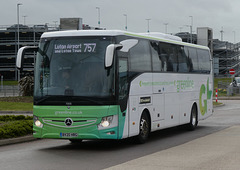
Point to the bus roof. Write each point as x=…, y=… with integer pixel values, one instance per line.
x=153, y=36
x=82, y=33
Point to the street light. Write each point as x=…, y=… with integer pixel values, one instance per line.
x=234, y=37
x=17, y=76
x=24, y=19
x=166, y=24
x=221, y=32
x=18, y=24
x=55, y=23
x=98, y=16
x=125, y=21
x=180, y=29
x=191, y=27
x=148, y=24
x=190, y=32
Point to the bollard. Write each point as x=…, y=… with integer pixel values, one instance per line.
x=216, y=95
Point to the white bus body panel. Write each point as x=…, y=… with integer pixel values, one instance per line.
x=169, y=98
x=136, y=92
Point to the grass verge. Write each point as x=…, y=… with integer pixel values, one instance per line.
x=10, y=83
x=217, y=103
x=13, y=106
x=16, y=103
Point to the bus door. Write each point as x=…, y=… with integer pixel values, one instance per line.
x=158, y=103
x=123, y=94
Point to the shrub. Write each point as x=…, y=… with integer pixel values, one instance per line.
x=15, y=126
x=27, y=85
x=6, y=118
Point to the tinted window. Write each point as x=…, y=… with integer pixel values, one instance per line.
x=140, y=58
x=64, y=66
x=156, y=61
x=193, y=60
x=168, y=57
x=182, y=60
x=123, y=84
x=204, y=60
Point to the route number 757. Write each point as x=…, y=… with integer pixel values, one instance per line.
x=89, y=47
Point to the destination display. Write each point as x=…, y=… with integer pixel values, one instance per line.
x=75, y=48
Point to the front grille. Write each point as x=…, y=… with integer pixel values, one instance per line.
x=60, y=122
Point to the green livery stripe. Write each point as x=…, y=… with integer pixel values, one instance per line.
x=204, y=90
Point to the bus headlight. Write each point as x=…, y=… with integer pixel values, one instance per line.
x=37, y=122
x=108, y=122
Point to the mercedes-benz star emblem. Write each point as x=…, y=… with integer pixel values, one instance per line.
x=68, y=122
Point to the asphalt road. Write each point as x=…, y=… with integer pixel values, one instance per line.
x=61, y=154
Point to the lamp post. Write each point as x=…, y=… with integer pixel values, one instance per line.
x=180, y=29
x=125, y=21
x=17, y=76
x=190, y=33
x=234, y=37
x=191, y=27
x=98, y=16
x=24, y=19
x=221, y=32
x=55, y=24
x=148, y=24
x=166, y=24
x=18, y=24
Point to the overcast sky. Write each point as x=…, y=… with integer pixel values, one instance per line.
x=205, y=13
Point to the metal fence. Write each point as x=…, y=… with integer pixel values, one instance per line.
x=6, y=91
x=228, y=89
x=233, y=90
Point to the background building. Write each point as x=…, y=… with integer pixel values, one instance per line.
x=225, y=54
x=29, y=35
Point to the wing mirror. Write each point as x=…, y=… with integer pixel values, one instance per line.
x=21, y=53
x=123, y=46
x=109, y=54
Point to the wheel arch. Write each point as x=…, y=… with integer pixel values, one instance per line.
x=195, y=105
x=193, y=122
x=147, y=112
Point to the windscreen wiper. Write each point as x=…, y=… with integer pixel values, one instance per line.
x=88, y=99
x=43, y=99
x=67, y=99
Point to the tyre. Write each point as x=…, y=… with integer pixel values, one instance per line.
x=193, y=119
x=144, y=129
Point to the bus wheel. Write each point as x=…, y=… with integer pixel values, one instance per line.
x=75, y=141
x=144, y=129
x=193, y=119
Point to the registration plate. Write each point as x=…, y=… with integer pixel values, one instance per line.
x=68, y=135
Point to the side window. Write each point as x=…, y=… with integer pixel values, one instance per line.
x=168, y=57
x=204, y=60
x=140, y=57
x=182, y=60
x=156, y=60
x=193, y=60
x=163, y=56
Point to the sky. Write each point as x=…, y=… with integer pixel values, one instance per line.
x=165, y=15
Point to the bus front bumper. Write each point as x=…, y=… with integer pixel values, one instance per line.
x=90, y=132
